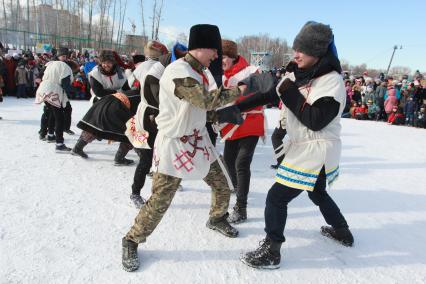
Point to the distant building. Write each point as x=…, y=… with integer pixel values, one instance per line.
x=261, y=60
x=136, y=41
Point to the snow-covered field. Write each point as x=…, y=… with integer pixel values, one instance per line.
x=62, y=218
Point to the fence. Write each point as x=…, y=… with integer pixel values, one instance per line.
x=24, y=40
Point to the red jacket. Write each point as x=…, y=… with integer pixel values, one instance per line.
x=253, y=125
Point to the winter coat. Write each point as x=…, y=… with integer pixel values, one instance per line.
x=253, y=124
x=391, y=101
x=50, y=89
x=107, y=118
x=396, y=118
x=369, y=96
x=380, y=95
x=21, y=76
x=10, y=74
x=183, y=147
x=410, y=107
x=373, y=109
x=309, y=151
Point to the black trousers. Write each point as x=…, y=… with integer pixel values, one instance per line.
x=58, y=129
x=67, y=116
x=238, y=155
x=142, y=169
x=212, y=134
x=47, y=121
x=280, y=195
x=277, y=140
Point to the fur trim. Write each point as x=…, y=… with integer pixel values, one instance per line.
x=229, y=48
x=313, y=39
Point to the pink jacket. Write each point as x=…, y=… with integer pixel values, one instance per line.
x=391, y=101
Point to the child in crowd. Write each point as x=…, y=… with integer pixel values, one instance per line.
x=79, y=87
x=361, y=112
x=396, y=117
x=421, y=117
x=353, y=108
x=409, y=110
x=373, y=110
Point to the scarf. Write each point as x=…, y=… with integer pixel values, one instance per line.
x=114, y=70
x=325, y=64
x=237, y=67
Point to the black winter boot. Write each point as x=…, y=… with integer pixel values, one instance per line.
x=78, y=149
x=122, y=151
x=342, y=235
x=130, y=258
x=238, y=215
x=51, y=138
x=137, y=200
x=222, y=226
x=62, y=148
x=266, y=256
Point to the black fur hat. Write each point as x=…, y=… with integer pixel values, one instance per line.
x=204, y=36
x=138, y=58
x=313, y=39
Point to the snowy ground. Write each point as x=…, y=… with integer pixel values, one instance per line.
x=62, y=218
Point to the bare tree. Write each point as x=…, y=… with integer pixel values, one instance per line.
x=91, y=3
x=4, y=14
x=113, y=21
x=154, y=11
x=143, y=19
x=277, y=47
x=158, y=19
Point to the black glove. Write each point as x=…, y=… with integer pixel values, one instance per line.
x=258, y=83
x=229, y=114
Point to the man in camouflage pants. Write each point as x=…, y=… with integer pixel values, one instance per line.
x=184, y=150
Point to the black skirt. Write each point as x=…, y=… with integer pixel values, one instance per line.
x=106, y=119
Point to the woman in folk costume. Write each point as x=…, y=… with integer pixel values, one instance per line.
x=54, y=91
x=137, y=60
x=108, y=77
x=182, y=148
x=106, y=119
x=152, y=50
x=142, y=129
x=314, y=95
x=240, y=140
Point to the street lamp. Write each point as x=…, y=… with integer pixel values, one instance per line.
x=395, y=47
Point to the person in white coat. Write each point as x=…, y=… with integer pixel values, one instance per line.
x=182, y=148
x=53, y=89
x=313, y=94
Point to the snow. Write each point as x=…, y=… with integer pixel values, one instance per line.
x=62, y=218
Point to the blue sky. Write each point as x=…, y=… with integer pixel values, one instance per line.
x=365, y=31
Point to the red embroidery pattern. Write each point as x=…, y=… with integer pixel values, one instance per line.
x=137, y=135
x=183, y=161
x=206, y=153
x=186, y=139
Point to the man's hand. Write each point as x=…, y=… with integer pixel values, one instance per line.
x=229, y=114
x=242, y=88
x=286, y=85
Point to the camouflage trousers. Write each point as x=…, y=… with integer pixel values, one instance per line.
x=164, y=188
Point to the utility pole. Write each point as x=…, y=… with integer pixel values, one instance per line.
x=393, y=53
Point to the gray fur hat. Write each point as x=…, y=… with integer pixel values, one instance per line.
x=313, y=39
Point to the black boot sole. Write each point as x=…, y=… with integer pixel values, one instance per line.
x=211, y=227
x=77, y=154
x=269, y=267
x=328, y=235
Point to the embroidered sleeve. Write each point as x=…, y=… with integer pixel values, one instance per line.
x=192, y=91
